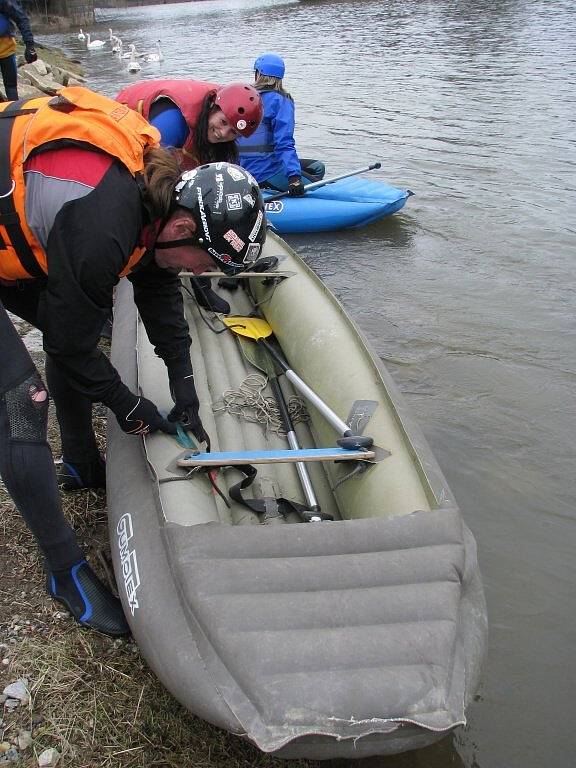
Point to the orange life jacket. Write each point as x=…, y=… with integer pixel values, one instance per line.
x=75, y=114
x=188, y=95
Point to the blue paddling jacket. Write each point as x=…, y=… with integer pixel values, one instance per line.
x=271, y=149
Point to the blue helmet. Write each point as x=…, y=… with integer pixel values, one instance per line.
x=270, y=64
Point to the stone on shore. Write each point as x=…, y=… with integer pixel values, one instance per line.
x=17, y=691
x=41, y=78
x=49, y=758
x=43, y=83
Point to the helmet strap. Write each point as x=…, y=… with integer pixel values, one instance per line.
x=176, y=243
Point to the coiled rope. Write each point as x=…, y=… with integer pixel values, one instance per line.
x=249, y=403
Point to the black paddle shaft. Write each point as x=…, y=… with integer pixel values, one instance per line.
x=280, y=362
x=282, y=405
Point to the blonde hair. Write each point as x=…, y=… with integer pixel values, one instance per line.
x=161, y=172
x=269, y=83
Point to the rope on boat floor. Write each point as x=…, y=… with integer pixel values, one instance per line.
x=249, y=403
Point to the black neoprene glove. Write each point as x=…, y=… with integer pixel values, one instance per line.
x=295, y=187
x=30, y=54
x=186, y=406
x=138, y=416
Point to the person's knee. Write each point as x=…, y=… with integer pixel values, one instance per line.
x=27, y=410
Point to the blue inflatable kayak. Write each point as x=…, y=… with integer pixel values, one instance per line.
x=347, y=203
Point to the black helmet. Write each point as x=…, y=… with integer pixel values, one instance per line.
x=228, y=209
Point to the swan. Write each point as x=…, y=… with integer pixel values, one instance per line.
x=117, y=47
x=81, y=35
x=94, y=43
x=133, y=65
x=155, y=56
x=132, y=53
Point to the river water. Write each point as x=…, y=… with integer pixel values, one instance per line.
x=467, y=294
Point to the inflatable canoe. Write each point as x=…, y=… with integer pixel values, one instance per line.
x=347, y=203
x=354, y=629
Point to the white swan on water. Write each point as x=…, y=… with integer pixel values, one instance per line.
x=117, y=46
x=133, y=65
x=92, y=44
x=155, y=56
x=132, y=53
x=81, y=35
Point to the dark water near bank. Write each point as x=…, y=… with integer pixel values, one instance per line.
x=468, y=294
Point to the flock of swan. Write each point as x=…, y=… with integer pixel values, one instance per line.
x=116, y=46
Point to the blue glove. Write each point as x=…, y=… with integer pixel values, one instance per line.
x=186, y=407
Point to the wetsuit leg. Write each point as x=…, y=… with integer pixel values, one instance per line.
x=10, y=76
x=74, y=413
x=312, y=170
x=73, y=410
x=27, y=469
x=26, y=462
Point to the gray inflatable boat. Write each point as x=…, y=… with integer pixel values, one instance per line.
x=352, y=629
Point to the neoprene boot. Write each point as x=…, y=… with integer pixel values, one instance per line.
x=207, y=298
x=92, y=604
x=75, y=476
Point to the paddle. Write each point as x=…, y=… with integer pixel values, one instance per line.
x=318, y=184
x=259, y=330
x=260, y=359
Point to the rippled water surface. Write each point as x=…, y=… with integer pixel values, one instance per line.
x=467, y=294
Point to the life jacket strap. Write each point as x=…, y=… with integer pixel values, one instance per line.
x=257, y=148
x=9, y=218
x=267, y=147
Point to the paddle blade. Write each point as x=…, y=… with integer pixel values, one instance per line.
x=257, y=356
x=251, y=327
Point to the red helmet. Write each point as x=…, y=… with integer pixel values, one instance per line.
x=242, y=106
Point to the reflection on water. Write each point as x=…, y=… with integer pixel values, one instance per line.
x=467, y=293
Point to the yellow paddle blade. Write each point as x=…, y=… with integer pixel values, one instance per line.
x=252, y=327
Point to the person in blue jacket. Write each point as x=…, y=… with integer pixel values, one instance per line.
x=11, y=15
x=270, y=152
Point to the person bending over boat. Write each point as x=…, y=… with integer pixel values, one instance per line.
x=87, y=196
x=270, y=152
x=11, y=15
x=202, y=120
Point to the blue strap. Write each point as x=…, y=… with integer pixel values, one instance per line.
x=183, y=438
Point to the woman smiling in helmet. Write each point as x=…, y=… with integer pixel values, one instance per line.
x=269, y=153
x=202, y=120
